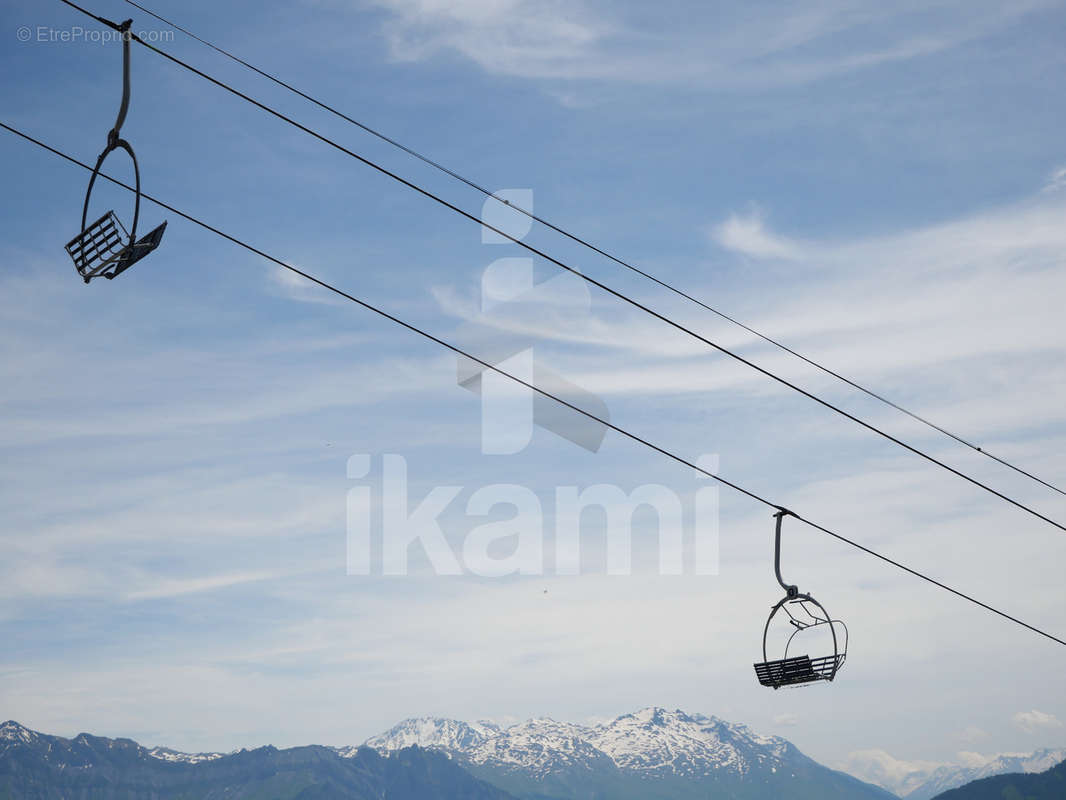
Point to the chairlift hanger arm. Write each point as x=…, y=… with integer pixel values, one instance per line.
x=124, y=29
x=790, y=589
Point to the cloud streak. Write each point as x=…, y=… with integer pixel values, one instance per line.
x=756, y=47
x=749, y=236
x=1035, y=721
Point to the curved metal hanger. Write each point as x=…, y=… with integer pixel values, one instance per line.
x=791, y=591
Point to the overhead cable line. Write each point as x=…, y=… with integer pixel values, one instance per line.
x=562, y=265
x=533, y=387
x=597, y=249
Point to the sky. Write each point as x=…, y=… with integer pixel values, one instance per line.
x=881, y=187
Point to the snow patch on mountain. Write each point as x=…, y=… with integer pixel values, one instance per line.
x=540, y=747
x=176, y=756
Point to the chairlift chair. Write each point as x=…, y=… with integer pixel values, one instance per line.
x=804, y=614
x=105, y=248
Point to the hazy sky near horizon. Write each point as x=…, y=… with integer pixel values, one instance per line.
x=882, y=187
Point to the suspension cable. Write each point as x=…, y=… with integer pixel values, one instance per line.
x=532, y=387
x=562, y=265
x=597, y=249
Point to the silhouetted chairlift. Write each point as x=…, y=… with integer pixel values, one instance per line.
x=105, y=248
x=804, y=614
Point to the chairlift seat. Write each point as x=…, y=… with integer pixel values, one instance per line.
x=798, y=669
x=103, y=248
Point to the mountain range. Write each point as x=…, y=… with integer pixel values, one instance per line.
x=652, y=754
x=35, y=766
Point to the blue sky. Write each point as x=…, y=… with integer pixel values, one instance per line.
x=881, y=187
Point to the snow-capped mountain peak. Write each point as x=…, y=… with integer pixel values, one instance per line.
x=653, y=741
x=434, y=733
x=11, y=731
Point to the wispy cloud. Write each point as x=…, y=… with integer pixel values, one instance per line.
x=288, y=284
x=175, y=587
x=747, y=234
x=972, y=733
x=1056, y=180
x=1034, y=721
x=739, y=47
